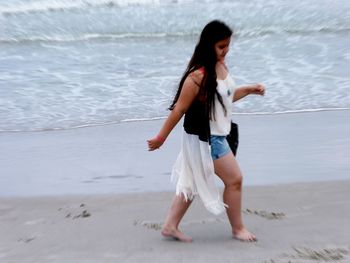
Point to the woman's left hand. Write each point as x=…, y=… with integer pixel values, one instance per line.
x=257, y=89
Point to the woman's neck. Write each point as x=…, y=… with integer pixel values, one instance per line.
x=221, y=70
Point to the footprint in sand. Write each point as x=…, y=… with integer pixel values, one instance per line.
x=83, y=214
x=26, y=239
x=265, y=214
x=150, y=225
x=304, y=254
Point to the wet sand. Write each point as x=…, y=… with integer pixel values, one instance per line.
x=282, y=148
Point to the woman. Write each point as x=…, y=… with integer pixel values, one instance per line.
x=205, y=95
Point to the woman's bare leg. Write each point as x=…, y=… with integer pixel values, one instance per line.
x=228, y=170
x=177, y=210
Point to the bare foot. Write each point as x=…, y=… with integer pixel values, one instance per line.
x=176, y=234
x=244, y=235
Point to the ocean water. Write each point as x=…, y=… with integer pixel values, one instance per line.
x=74, y=63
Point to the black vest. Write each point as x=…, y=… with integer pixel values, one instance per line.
x=197, y=120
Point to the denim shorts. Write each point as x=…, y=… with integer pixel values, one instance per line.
x=219, y=146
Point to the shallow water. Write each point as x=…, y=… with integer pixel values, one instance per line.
x=66, y=64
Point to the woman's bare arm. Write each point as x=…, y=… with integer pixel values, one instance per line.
x=188, y=93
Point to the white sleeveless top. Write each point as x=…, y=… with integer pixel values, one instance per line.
x=221, y=125
x=193, y=171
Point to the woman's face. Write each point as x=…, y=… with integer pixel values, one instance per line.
x=221, y=48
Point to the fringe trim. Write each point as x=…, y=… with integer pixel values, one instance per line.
x=216, y=207
x=186, y=192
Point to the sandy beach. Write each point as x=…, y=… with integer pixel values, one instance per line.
x=85, y=83
x=97, y=195
x=294, y=223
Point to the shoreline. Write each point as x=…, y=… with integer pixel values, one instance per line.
x=92, y=125
x=273, y=149
x=125, y=195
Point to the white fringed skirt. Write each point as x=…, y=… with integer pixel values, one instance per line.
x=193, y=173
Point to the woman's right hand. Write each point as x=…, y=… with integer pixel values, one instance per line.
x=154, y=143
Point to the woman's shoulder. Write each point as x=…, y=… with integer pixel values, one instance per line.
x=197, y=75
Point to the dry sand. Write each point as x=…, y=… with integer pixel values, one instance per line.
x=294, y=223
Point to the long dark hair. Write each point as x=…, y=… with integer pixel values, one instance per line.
x=205, y=56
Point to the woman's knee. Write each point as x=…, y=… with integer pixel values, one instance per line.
x=235, y=183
